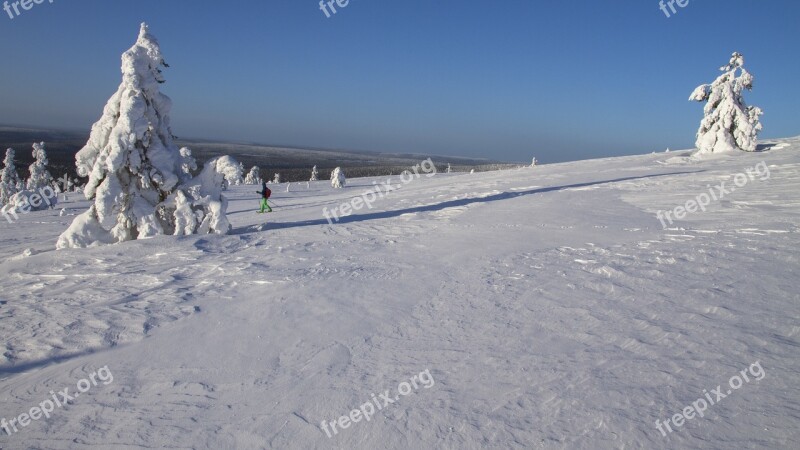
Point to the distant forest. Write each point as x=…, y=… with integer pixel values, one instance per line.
x=293, y=164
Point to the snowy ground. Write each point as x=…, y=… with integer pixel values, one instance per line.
x=548, y=305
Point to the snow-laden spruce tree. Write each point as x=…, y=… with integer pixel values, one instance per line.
x=39, y=176
x=729, y=124
x=338, y=179
x=188, y=164
x=8, y=178
x=277, y=179
x=139, y=182
x=198, y=206
x=240, y=181
x=253, y=177
x=314, y=174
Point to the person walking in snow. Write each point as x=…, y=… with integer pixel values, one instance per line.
x=265, y=193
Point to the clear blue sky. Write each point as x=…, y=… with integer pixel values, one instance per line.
x=505, y=79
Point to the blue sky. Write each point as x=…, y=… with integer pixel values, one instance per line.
x=506, y=79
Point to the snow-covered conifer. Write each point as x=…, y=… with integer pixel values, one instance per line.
x=277, y=179
x=338, y=179
x=199, y=207
x=188, y=164
x=39, y=176
x=240, y=180
x=729, y=124
x=449, y=170
x=139, y=185
x=8, y=178
x=253, y=177
x=314, y=174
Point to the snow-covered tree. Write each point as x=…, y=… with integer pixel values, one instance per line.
x=277, y=179
x=534, y=162
x=240, y=181
x=138, y=183
x=448, y=170
x=314, y=174
x=338, y=179
x=729, y=124
x=8, y=178
x=253, y=177
x=130, y=159
x=39, y=176
x=199, y=207
x=188, y=164
x=234, y=176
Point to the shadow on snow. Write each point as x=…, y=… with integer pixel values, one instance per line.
x=440, y=206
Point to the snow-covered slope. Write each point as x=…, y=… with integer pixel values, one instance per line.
x=548, y=305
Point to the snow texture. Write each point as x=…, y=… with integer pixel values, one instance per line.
x=543, y=325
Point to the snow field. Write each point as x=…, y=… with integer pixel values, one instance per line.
x=549, y=305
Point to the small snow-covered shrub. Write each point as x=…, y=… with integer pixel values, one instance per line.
x=338, y=179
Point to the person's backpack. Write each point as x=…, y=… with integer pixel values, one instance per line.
x=267, y=192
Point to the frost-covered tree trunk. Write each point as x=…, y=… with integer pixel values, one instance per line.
x=39, y=176
x=338, y=179
x=8, y=178
x=253, y=177
x=140, y=184
x=314, y=174
x=729, y=124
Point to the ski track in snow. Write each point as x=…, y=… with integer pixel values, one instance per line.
x=549, y=304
